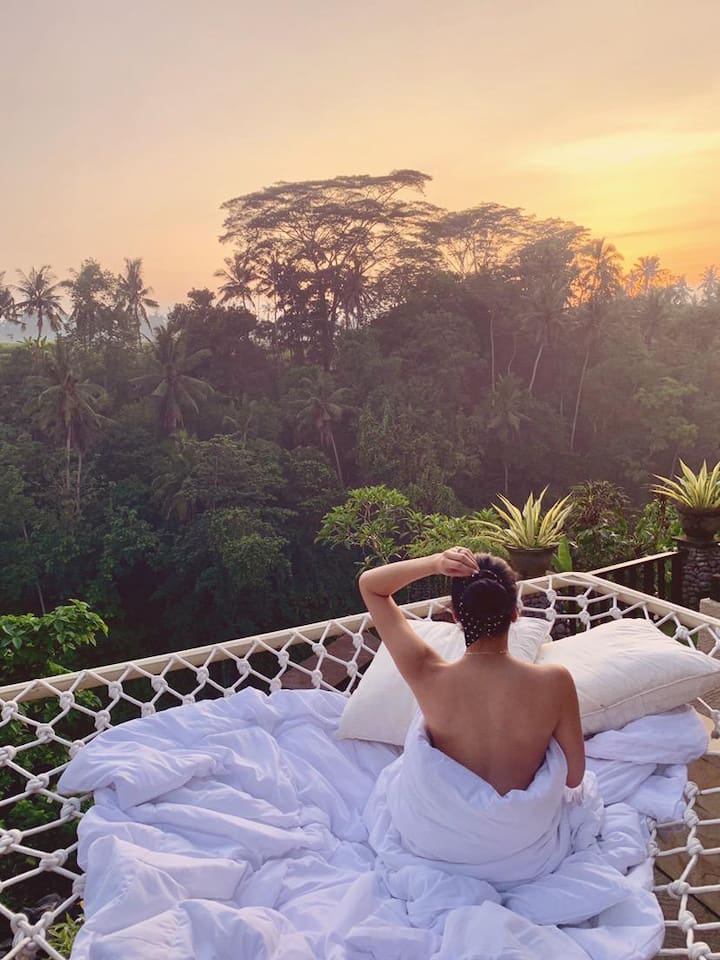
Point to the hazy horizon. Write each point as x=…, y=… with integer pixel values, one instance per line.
x=130, y=125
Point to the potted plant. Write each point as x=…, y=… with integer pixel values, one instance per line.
x=530, y=536
x=697, y=500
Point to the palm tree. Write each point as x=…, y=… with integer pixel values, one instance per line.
x=710, y=284
x=172, y=382
x=646, y=275
x=133, y=295
x=654, y=310
x=654, y=290
x=244, y=411
x=547, y=305
x=680, y=293
x=237, y=277
x=40, y=298
x=320, y=405
x=649, y=269
x=505, y=416
x=547, y=272
x=70, y=408
x=7, y=302
x=599, y=282
x=600, y=271
x=491, y=289
x=173, y=487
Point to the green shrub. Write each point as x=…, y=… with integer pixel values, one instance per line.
x=61, y=936
x=30, y=646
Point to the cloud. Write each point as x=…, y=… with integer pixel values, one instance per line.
x=608, y=152
x=697, y=226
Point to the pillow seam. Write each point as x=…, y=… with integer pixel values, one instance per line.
x=650, y=692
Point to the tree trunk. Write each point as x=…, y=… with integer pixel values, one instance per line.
x=77, y=485
x=492, y=349
x=578, y=397
x=172, y=413
x=513, y=354
x=507, y=476
x=327, y=343
x=40, y=324
x=41, y=598
x=535, y=365
x=329, y=327
x=337, y=458
x=68, y=449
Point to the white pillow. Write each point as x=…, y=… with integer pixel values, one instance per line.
x=626, y=669
x=383, y=706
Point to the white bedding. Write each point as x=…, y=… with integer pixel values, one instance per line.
x=242, y=828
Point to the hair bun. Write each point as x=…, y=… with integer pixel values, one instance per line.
x=484, y=580
x=486, y=575
x=485, y=601
x=480, y=589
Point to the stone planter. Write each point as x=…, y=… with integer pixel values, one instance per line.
x=699, y=525
x=531, y=562
x=699, y=567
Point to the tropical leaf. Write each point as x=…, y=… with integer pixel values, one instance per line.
x=562, y=561
x=699, y=491
x=527, y=526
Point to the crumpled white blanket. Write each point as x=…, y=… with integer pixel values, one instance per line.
x=242, y=828
x=436, y=809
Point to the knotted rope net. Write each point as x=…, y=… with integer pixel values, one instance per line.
x=45, y=722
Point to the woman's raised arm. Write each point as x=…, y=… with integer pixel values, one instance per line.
x=410, y=653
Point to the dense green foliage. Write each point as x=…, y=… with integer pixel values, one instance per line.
x=41, y=646
x=176, y=478
x=31, y=646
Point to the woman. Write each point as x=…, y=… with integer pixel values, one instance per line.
x=488, y=711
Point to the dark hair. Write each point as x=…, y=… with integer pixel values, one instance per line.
x=484, y=603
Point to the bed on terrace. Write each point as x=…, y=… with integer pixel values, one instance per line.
x=290, y=815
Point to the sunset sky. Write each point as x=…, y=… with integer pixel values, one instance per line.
x=126, y=125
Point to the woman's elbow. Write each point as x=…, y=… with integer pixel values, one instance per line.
x=363, y=584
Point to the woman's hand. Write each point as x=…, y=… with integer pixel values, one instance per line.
x=386, y=580
x=457, y=562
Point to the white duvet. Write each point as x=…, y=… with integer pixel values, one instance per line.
x=242, y=828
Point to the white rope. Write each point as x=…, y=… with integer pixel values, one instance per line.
x=338, y=649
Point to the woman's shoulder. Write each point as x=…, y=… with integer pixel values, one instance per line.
x=556, y=671
x=549, y=676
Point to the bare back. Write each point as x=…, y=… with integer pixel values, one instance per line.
x=496, y=716
x=492, y=713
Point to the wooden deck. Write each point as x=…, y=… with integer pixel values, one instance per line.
x=705, y=906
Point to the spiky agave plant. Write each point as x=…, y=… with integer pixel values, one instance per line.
x=694, y=491
x=527, y=527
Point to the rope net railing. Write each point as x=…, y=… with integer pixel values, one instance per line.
x=45, y=722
